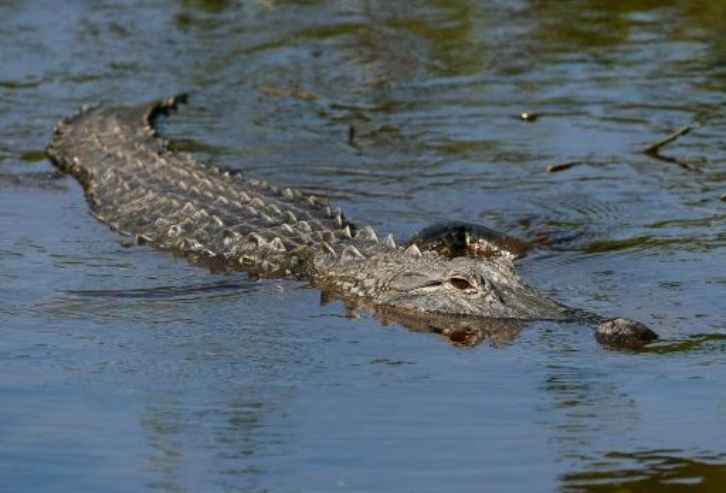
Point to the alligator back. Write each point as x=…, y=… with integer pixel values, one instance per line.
x=139, y=187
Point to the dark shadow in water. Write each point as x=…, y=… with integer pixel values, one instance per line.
x=168, y=292
x=458, y=330
x=702, y=342
x=50, y=181
x=657, y=471
x=155, y=304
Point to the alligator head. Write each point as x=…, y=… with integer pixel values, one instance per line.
x=466, y=286
x=412, y=281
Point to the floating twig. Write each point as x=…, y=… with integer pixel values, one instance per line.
x=683, y=164
x=274, y=91
x=351, y=135
x=554, y=168
x=653, y=148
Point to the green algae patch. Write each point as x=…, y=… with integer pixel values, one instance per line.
x=33, y=156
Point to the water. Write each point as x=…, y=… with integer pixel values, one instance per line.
x=125, y=369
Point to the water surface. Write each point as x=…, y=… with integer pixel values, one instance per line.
x=126, y=369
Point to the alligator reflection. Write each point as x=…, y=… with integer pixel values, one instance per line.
x=461, y=331
x=458, y=330
x=661, y=470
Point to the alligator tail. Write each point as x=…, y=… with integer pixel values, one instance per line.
x=162, y=107
x=72, y=133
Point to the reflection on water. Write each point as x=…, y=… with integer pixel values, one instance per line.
x=125, y=369
x=237, y=432
x=658, y=470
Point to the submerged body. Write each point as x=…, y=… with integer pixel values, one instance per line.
x=141, y=188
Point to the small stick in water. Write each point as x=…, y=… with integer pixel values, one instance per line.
x=554, y=168
x=655, y=147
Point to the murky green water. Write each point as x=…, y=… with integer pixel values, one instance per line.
x=125, y=369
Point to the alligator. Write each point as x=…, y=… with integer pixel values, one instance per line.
x=456, y=279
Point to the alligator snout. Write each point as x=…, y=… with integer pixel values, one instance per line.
x=624, y=333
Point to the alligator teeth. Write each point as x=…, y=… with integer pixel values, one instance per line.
x=256, y=202
x=243, y=196
x=287, y=193
x=312, y=199
x=328, y=211
x=287, y=229
x=188, y=208
x=413, y=251
x=275, y=209
x=304, y=226
x=389, y=242
x=338, y=220
x=346, y=232
x=351, y=253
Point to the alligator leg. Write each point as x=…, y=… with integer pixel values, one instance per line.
x=462, y=239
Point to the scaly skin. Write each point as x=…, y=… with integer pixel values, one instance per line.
x=139, y=187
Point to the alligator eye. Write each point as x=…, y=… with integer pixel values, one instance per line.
x=462, y=284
